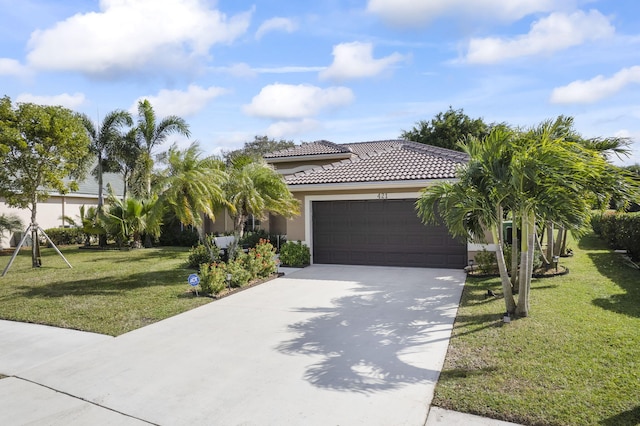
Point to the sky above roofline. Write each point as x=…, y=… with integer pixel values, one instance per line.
x=342, y=71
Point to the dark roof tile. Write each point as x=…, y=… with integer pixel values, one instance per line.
x=392, y=160
x=311, y=148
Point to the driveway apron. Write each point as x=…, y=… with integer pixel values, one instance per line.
x=327, y=345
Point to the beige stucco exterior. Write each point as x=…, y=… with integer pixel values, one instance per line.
x=49, y=213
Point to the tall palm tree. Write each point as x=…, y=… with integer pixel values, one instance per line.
x=103, y=139
x=475, y=203
x=538, y=175
x=254, y=188
x=150, y=133
x=124, y=158
x=191, y=186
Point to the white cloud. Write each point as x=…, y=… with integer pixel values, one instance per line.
x=276, y=24
x=355, y=60
x=286, y=101
x=288, y=70
x=180, y=103
x=555, y=32
x=286, y=129
x=244, y=70
x=66, y=100
x=599, y=87
x=12, y=67
x=420, y=12
x=127, y=35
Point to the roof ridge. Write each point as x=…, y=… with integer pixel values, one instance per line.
x=330, y=144
x=435, y=150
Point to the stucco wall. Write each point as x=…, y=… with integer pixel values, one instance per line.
x=49, y=213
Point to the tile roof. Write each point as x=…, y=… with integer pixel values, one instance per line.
x=383, y=161
x=310, y=148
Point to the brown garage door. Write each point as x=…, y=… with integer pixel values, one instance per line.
x=381, y=232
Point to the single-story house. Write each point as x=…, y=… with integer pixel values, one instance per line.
x=52, y=210
x=358, y=203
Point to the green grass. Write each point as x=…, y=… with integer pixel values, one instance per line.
x=574, y=361
x=110, y=292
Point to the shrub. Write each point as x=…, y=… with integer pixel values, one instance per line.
x=187, y=237
x=295, y=254
x=620, y=231
x=252, y=239
x=261, y=260
x=65, y=236
x=213, y=278
x=204, y=253
x=487, y=262
x=239, y=270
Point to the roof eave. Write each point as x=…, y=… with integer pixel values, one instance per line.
x=309, y=157
x=346, y=186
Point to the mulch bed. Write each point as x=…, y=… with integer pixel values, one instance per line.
x=228, y=292
x=539, y=273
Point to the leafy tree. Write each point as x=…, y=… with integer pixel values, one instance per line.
x=258, y=147
x=104, y=140
x=447, y=129
x=254, y=188
x=150, y=133
x=538, y=175
x=191, y=186
x=40, y=147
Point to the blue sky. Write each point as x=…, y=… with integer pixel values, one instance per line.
x=344, y=71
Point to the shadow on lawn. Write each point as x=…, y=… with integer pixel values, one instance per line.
x=626, y=418
x=368, y=341
x=612, y=266
x=93, y=287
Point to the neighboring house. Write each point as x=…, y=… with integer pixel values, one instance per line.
x=51, y=211
x=358, y=203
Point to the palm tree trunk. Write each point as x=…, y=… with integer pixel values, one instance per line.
x=102, y=238
x=550, y=244
x=526, y=261
x=557, y=245
x=515, y=244
x=510, y=304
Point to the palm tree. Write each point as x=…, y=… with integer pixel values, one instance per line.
x=89, y=222
x=103, y=142
x=475, y=203
x=150, y=133
x=191, y=185
x=254, y=188
x=537, y=174
x=10, y=223
x=127, y=220
x=124, y=157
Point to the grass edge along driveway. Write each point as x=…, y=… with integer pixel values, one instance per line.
x=574, y=361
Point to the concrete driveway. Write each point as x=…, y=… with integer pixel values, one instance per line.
x=327, y=345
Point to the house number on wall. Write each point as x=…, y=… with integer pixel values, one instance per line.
x=382, y=195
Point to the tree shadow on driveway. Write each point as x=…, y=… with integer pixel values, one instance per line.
x=387, y=332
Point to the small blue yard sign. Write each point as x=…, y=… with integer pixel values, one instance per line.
x=194, y=280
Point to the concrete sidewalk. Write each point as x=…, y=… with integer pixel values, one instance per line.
x=324, y=345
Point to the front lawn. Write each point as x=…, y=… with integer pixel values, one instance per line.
x=110, y=292
x=574, y=361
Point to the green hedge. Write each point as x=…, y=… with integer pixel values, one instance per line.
x=619, y=230
x=65, y=236
x=295, y=254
